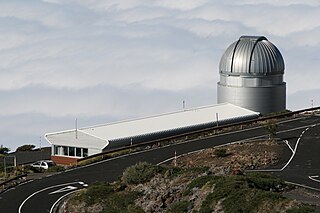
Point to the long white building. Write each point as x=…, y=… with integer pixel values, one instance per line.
x=70, y=145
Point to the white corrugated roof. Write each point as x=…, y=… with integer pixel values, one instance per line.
x=158, y=123
x=76, y=139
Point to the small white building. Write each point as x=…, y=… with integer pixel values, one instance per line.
x=70, y=145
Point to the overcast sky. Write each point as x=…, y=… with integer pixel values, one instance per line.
x=106, y=60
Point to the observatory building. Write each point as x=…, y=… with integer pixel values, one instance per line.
x=251, y=75
x=251, y=83
x=70, y=145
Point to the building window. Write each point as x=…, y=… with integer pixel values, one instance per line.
x=65, y=150
x=78, y=152
x=56, y=150
x=71, y=151
x=85, y=153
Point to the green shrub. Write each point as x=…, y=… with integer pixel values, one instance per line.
x=110, y=200
x=25, y=148
x=242, y=193
x=220, y=153
x=200, y=182
x=248, y=200
x=180, y=207
x=121, y=202
x=302, y=209
x=56, y=169
x=95, y=193
x=174, y=171
x=264, y=181
x=140, y=173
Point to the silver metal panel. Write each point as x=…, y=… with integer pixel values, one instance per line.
x=250, y=81
x=252, y=55
x=260, y=99
x=251, y=75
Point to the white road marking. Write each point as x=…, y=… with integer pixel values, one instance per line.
x=295, y=149
x=313, y=178
x=42, y=190
x=287, y=142
x=262, y=170
x=65, y=189
x=55, y=203
x=301, y=185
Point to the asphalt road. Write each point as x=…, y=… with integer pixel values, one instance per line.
x=304, y=168
x=40, y=195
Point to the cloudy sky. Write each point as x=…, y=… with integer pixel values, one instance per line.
x=106, y=60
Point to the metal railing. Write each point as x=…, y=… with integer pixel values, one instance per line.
x=11, y=182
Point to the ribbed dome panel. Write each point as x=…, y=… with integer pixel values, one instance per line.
x=252, y=55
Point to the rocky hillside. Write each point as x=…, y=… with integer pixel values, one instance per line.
x=212, y=180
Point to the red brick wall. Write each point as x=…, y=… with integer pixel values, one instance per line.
x=64, y=160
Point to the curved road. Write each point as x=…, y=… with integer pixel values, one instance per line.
x=304, y=168
x=40, y=195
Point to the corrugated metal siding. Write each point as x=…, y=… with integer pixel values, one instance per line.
x=169, y=133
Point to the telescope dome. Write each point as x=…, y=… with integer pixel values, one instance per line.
x=251, y=75
x=252, y=55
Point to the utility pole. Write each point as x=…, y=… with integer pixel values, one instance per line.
x=40, y=148
x=217, y=119
x=4, y=165
x=76, y=128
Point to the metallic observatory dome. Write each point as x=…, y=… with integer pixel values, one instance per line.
x=252, y=55
x=251, y=75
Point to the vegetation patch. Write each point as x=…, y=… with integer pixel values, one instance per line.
x=302, y=209
x=95, y=193
x=220, y=153
x=244, y=193
x=149, y=188
x=200, y=182
x=140, y=173
x=101, y=197
x=265, y=182
x=55, y=168
x=25, y=148
x=180, y=207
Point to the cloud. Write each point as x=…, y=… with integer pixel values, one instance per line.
x=103, y=61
